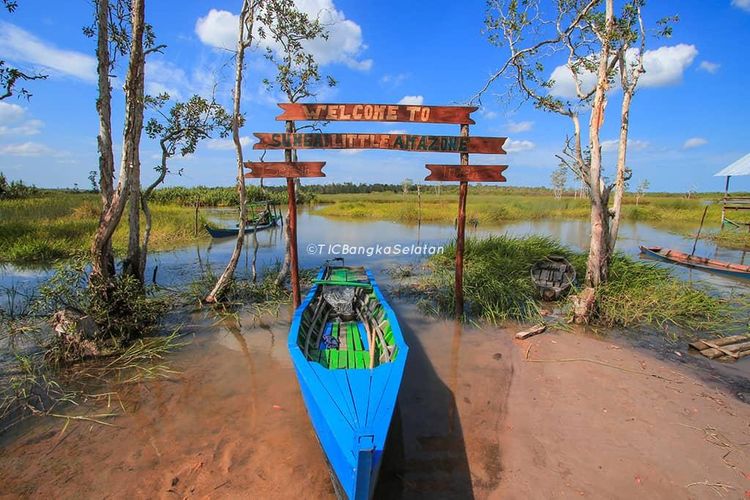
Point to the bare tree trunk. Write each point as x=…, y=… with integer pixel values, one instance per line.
x=132, y=141
x=290, y=155
x=247, y=18
x=145, y=196
x=102, y=259
x=112, y=214
x=132, y=264
x=597, y=266
x=619, y=188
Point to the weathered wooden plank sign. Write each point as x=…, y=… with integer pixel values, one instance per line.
x=466, y=173
x=269, y=169
x=403, y=142
x=378, y=113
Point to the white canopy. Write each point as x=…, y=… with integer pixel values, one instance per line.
x=740, y=167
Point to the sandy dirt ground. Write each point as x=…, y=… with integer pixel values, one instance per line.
x=560, y=415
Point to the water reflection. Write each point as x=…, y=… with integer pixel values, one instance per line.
x=183, y=265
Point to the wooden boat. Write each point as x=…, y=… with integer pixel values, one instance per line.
x=553, y=276
x=225, y=232
x=703, y=263
x=349, y=354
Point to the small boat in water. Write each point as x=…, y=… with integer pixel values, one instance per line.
x=251, y=227
x=264, y=218
x=703, y=263
x=553, y=276
x=349, y=355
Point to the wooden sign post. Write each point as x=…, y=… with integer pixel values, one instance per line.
x=291, y=169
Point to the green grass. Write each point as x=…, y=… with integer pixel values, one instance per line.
x=58, y=225
x=730, y=238
x=498, y=287
x=497, y=206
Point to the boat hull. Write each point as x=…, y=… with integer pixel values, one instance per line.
x=702, y=263
x=226, y=232
x=350, y=409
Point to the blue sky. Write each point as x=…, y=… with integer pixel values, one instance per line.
x=688, y=120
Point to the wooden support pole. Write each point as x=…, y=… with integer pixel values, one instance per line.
x=461, y=222
x=289, y=157
x=724, y=203
x=695, y=243
x=292, y=228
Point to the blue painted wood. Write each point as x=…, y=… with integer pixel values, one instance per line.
x=350, y=409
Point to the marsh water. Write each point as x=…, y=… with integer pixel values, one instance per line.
x=230, y=421
x=378, y=244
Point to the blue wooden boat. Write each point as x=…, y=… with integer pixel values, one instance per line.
x=349, y=354
x=705, y=264
x=226, y=232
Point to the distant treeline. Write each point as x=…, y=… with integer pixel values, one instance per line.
x=224, y=196
x=15, y=189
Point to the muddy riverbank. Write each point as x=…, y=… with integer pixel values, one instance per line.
x=481, y=415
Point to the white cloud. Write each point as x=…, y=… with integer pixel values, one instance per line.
x=218, y=29
x=350, y=152
x=664, y=66
x=518, y=127
x=19, y=45
x=10, y=112
x=416, y=100
x=344, y=44
x=742, y=4
x=611, y=145
x=162, y=76
x=26, y=149
x=224, y=144
x=488, y=113
x=709, y=67
x=29, y=127
x=393, y=80
x=13, y=121
x=513, y=146
x=694, y=142
x=399, y=131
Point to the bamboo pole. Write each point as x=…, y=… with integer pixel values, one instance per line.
x=695, y=243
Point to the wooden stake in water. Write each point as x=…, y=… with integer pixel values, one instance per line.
x=461, y=223
x=699, y=231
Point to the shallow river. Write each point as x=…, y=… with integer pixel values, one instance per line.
x=380, y=244
x=231, y=420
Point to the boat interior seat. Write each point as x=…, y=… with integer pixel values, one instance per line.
x=336, y=336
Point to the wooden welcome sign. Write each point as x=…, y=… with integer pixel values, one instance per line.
x=402, y=142
x=462, y=144
x=378, y=113
x=289, y=170
x=466, y=173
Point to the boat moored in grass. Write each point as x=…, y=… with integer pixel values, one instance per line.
x=251, y=227
x=349, y=355
x=553, y=276
x=716, y=266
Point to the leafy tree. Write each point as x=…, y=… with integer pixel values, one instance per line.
x=406, y=185
x=92, y=180
x=641, y=190
x=559, y=179
x=599, y=45
x=179, y=130
x=244, y=40
x=120, y=29
x=284, y=26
